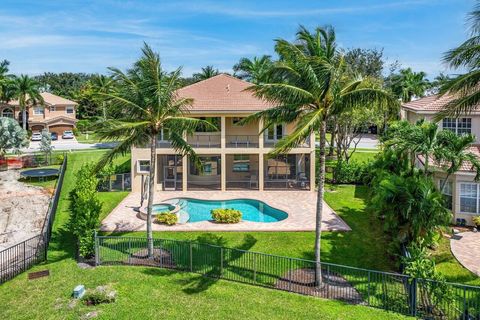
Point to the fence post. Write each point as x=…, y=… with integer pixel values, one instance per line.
x=368, y=289
x=97, y=258
x=254, y=267
x=24, y=256
x=129, y=250
x=290, y=275
x=221, y=262
x=191, y=257
x=45, y=247
x=413, y=297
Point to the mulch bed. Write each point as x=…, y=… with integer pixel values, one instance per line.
x=334, y=286
x=161, y=258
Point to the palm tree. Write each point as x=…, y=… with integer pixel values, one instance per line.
x=207, y=72
x=315, y=86
x=27, y=91
x=256, y=71
x=5, y=82
x=144, y=103
x=464, y=88
x=101, y=84
x=408, y=84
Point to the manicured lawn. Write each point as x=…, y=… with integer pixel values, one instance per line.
x=155, y=293
x=87, y=137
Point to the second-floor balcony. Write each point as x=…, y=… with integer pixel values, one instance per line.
x=242, y=141
x=205, y=140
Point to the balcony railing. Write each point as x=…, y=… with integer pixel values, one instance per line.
x=271, y=143
x=241, y=141
x=204, y=140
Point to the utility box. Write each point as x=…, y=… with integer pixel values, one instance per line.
x=79, y=291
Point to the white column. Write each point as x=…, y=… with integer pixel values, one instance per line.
x=184, y=172
x=312, y=170
x=223, y=176
x=222, y=132
x=261, y=173
x=260, y=136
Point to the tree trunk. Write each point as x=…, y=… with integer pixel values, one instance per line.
x=332, y=138
x=24, y=118
x=151, y=191
x=318, y=222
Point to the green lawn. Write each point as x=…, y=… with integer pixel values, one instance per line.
x=48, y=183
x=90, y=137
x=154, y=293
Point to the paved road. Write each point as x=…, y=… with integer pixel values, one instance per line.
x=367, y=141
x=68, y=144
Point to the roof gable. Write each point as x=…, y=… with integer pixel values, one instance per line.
x=50, y=99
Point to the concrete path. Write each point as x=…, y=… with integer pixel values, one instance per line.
x=300, y=206
x=465, y=247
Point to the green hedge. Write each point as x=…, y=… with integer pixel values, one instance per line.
x=352, y=172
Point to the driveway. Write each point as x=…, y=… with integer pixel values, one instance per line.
x=68, y=144
x=465, y=247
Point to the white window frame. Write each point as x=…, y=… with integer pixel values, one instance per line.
x=139, y=166
x=458, y=122
x=275, y=137
x=35, y=110
x=161, y=136
x=477, y=198
x=67, y=108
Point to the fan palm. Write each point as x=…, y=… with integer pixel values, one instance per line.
x=207, y=72
x=27, y=91
x=143, y=104
x=256, y=71
x=314, y=86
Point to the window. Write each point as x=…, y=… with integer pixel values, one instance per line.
x=38, y=110
x=459, y=126
x=163, y=135
x=469, y=197
x=275, y=132
x=241, y=163
x=447, y=193
x=236, y=122
x=69, y=109
x=53, y=108
x=210, y=167
x=143, y=166
x=7, y=112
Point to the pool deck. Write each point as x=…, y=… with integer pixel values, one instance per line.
x=300, y=206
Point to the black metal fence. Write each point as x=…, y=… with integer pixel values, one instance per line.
x=116, y=182
x=389, y=291
x=21, y=256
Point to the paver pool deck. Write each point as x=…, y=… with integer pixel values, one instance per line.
x=300, y=206
x=465, y=247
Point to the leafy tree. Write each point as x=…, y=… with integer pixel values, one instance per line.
x=5, y=82
x=207, y=72
x=408, y=84
x=256, y=70
x=46, y=144
x=12, y=136
x=27, y=91
x=85, y=208
x=65, y=84
x=143, y=103
x=314, y=86
x=365, y=62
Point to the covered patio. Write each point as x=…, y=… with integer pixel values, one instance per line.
x=299, y=205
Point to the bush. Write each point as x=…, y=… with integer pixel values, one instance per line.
x=351, y=172
x=226, y=215
x=101, y=294
x=84, y=125
x=85, y=210
x=476, y=220
x=167, y=218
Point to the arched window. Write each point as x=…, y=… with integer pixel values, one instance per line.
x=7, y=112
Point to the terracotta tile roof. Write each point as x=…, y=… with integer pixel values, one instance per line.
x=50, y=99
x=222, y=93
x=466, y=166
x=431, y=103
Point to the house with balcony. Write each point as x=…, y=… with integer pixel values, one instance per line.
x=57, y=114
x=235, y=157
x=461, y=191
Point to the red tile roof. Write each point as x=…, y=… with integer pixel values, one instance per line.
x=223, y=93
x=466, y=166
x=431, y=103
x=50, y=99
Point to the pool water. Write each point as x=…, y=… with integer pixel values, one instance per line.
x=158, y=208
x=252, y=210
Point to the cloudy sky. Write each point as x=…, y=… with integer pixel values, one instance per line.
x=88, y=36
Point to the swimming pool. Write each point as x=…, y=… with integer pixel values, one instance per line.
x=252, y=210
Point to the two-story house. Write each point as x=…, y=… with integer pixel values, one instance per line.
x=57, y=114
x=462, y=192
x=233, y=157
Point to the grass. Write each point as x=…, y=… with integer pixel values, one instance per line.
x=90, y=137
x=155, y=293
x=47, y=183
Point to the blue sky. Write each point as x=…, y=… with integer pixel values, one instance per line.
x=88, y=36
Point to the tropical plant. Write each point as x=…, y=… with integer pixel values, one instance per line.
x=408, y=84
x=5, y=82
x=27, y=91
x=256, y=70
x=144, y=103
x=12, y=136
x=314, y=86
x=222, y=215
x=46, y=144
x=65, y=84
x=168, y=218
x=207, y=72
x=101, y=84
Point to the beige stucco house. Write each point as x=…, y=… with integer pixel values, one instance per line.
x=461, y=189
x=57, y=114
x=235, y=156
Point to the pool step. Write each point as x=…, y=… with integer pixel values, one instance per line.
x=183, y=217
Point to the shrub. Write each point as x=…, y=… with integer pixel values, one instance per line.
x=351, y=172
x=476, y=220
x=167, y=218
x=226, y=215
x=84, y=125
x=101, y=294
x=85, y=210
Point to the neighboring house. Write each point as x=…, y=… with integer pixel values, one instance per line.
x=462, y=192
x=235, y=156
x=57, y=114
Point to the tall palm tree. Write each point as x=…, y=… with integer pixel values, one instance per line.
x=143, y=104
x=5, y=82
x=408, y=84
x=207, y=72
x=27, y=91
x=314, y=87
x=256, y=70
x=102, y=84
x=465, y=88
